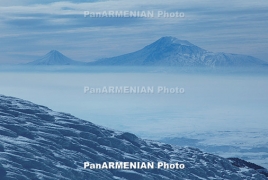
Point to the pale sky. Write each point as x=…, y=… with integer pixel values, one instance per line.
x=29, y=29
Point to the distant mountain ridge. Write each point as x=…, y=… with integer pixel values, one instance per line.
x=54, y=57
x=170, y=51
x=166, y=51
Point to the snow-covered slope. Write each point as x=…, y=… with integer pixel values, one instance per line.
x=38, y=143
x=55, y=58
x=244, y=164
x=170, y=51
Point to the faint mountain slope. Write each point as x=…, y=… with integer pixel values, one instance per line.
x=38, y=143
x=55, y=58
x=170, y=51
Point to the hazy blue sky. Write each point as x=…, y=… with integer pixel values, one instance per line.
x=29, y=29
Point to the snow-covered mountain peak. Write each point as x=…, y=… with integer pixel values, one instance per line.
x=170, y=43
x=170, y=51
x=172, y=40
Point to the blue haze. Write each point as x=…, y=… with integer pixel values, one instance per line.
x=219, y=107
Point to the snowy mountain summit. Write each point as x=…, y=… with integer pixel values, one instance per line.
x=168, y=40
x=170, y=51
x=38, y=143
x=54, y=57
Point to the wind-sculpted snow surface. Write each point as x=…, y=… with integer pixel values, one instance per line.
x=38, y=143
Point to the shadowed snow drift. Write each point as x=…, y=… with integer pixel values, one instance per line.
x=38, y=143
